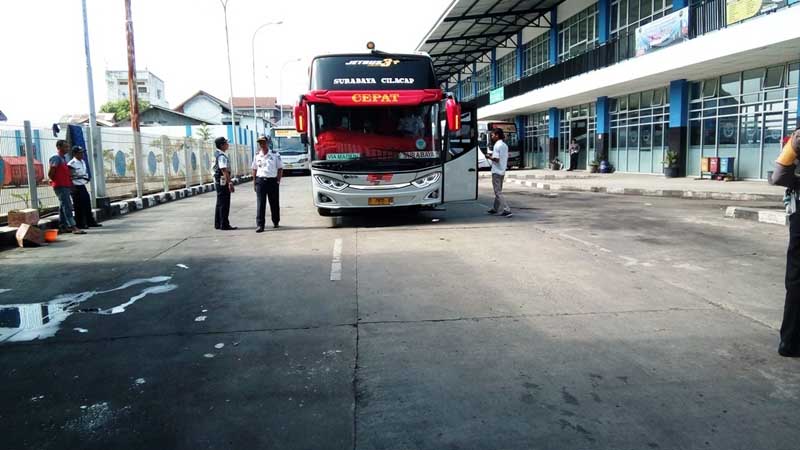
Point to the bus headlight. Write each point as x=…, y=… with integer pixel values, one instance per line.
x=330, y=183
x=302, y=160
x=427, y=180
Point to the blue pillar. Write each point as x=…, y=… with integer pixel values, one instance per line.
x=188, y=131
x=252, y=144
x=603, y=110
x=520, y=56
x=37, y=146
x=458, y=87
x=679, y=4
x=230, y=133
x=519, y=121
x=474, y=80
x=603, y=21
x=679, y=121
x=554, y=36
x=493, y=69
x=553, y=125
x=18, y=139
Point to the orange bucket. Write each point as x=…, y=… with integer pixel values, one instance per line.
x=50, y=235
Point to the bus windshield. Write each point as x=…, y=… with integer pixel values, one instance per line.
x=348, y=134
x=289, y=145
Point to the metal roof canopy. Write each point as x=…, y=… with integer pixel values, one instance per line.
x=470, y=28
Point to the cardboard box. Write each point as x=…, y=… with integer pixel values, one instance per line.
x=31, y=234
x=18, y=217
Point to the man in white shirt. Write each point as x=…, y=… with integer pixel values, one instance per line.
x=499, y=158
x=80, y=196
x=267, y=173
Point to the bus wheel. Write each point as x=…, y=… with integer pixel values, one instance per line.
x=324, y=212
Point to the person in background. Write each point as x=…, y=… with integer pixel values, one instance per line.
x=499, y=157
x=61, y=181
x=224, y=185
x=784, y=175
x=267, y=173
x=574, y=150
x=80, y=196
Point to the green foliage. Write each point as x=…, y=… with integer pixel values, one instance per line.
x=204, y=133
x=671, y=159
x=122, y=108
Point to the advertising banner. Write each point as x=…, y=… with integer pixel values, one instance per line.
x=668, y=30
x=739, y=10
x=497, y=95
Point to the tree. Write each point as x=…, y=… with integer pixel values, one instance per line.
x=204, y=133
x=122, y=108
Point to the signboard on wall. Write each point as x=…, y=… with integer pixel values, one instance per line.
x=668, y=30
x=497, y=95
x=739, y=10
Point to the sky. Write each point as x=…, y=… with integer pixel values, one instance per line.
x=43, y=73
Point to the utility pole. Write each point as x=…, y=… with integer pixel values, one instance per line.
x=133, y=94
x=95, y=155
x=224, y=4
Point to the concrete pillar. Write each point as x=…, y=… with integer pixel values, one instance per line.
x=493, y=69
x=603, y=108
x=679, y=121
x=603, y=21
x=553, y=128
x=554, y=36
x=520, y=56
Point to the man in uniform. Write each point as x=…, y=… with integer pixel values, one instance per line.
x=224, y=185
x=267, y=174
x=80, y=196
x=61, y=181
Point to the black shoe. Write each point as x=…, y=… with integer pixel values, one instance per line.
x=229, y=228
x=492, y=211
x=507, y=214
x=96, y=225
x=260, y=230
x=275, y=225
x=785, y=350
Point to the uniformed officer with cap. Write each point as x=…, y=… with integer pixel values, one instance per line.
x=267, y=174
x=79, y=173
x=224, y=185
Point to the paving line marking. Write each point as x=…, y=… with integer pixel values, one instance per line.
x=588, y=244
x=336, y=263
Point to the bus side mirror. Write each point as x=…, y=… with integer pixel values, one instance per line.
x=304, y=138
x=453, y=110
x=301, y=118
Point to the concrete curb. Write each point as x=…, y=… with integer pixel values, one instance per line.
x=124, y=207
x=642, y=192
x=770, y=216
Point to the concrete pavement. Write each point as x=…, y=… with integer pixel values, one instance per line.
x=587, y=321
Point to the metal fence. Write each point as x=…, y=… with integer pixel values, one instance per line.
x=166, y=163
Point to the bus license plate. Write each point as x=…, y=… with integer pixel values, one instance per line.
x=380, y=201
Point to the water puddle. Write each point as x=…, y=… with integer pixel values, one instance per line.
x=3, y=291
x=27, y=322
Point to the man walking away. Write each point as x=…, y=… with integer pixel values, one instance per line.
x=499, y=159
x=784, y=175
x=224, y=185
x=80, y=196
x=267, y=173
x=574, y=150
x=61, y=181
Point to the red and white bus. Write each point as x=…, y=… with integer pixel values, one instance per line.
x=383, y=134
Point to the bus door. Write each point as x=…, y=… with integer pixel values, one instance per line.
x=461, y=158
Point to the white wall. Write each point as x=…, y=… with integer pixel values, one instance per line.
x=572, y=7
x=203, y=108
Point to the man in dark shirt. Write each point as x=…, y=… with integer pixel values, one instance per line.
x=224, y=185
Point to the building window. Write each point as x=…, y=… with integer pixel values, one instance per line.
x=627, y=15
x=638, y=132
x=507, y=69
x=142, y=89
x=537, y=54
x=466, y=88
x=537, y=140
x=158, y=91
x=744, y=115
x=483, y=77
x=577, y=34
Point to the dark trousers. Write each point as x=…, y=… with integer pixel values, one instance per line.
x=267, y=189
x=790, y=328
x=573, y=161
x=83, y=207
x=223, y=207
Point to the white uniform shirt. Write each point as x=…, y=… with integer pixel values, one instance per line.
x=267, y=165
x=77, y=169
x=499, y=151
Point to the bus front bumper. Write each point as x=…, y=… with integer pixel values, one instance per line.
x=351, y=198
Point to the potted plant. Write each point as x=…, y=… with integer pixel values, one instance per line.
x=671, y=164
x=594, y=166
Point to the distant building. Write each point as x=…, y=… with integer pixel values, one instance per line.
x=149, y=86
x=155, y=116
x=211, y=109
x=103, y=119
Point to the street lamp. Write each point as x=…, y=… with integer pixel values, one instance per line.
x=224, y=4
x=280, y=87
x=253, y=46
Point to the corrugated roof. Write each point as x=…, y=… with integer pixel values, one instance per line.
x=261, y=102
x=470, y=28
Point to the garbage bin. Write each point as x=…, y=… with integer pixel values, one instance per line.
x=713, y=165
x=704, y=165
x=726, y=165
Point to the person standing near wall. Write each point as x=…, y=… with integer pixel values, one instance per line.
x=574, y=151
x=267, y=173
x=223, y=184
x=499, y=157
x=61, y=181
x=80, y=196
x=784, y=175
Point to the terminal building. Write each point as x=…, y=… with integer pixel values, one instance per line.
x=629, y=80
